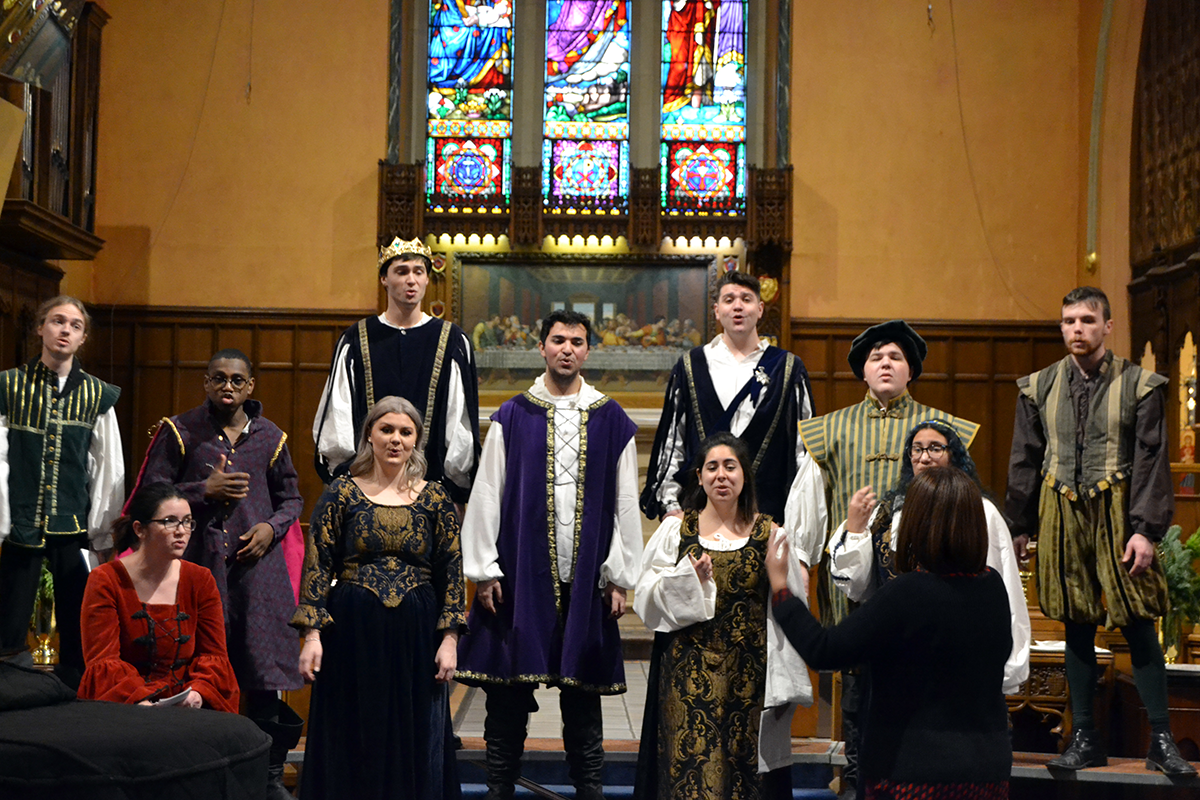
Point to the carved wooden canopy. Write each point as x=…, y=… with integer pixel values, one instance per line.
x=405, y=211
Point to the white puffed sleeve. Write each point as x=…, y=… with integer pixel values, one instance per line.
x=787, y=682
x=805, y=513
x=333, y=427
x=852, y=558
x=1003, y=559
x=670, y=595
x=481, y=524
x=625, y=552
x=460, y=435
x=106, y=480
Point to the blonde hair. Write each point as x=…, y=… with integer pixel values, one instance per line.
x=364, y=459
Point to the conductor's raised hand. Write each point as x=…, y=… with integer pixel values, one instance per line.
x=489, y=594
x=777, y=563
x=222, y=485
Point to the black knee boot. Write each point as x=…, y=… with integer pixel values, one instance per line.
x=504, y=729
x=583, y=739
x=284, y=729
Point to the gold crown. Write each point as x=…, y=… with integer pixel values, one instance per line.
x=399, y=247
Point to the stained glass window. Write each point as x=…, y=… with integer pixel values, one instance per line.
x=469, y=141
x=585, y=120
x=703, y=153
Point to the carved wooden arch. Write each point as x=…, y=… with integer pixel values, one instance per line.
x=1164, y=225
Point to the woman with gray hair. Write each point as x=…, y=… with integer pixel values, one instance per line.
x=381, y=608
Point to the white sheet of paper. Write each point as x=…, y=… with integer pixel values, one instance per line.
x=174, y=699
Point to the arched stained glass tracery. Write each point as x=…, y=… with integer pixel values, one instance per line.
x=469, y=136
x=703, y=152
x=585, y=122
x=587, y=89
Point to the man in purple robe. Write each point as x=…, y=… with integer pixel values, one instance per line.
x=552, y=538
x=233, y=466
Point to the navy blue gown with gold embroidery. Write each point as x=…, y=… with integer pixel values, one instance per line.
x=379, y=724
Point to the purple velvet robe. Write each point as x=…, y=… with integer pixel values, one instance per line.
x=259, y=600
x=537, y=636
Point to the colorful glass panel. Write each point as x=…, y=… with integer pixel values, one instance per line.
x=704, y=174
x=468, y=167
x=470, y=97
x=586, y=169
x=704, y=103
x=586, y=98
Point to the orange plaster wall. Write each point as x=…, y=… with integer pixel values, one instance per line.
x=905, y=206
x=208, y=197
x=1112, y=273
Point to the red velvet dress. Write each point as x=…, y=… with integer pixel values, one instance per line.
x=138, y=651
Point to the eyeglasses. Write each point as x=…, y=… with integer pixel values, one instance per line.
x=175, y=523
x=934, y=450
x=219, y=381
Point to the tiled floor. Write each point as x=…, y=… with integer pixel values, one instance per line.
x=622, y=712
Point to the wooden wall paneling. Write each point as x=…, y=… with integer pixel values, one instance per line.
x=970, y=371
x=1187, y=514
x=24, y=284
x=1165, y=159
x=159, y=355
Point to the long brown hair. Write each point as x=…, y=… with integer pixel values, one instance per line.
x=364, y=459
x=943, y=529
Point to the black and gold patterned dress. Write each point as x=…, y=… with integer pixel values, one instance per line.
x=711, y=679
x=379, y=723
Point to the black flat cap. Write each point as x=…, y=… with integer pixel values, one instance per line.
x=897, y=331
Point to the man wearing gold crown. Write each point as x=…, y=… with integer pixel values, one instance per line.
x=407, y=353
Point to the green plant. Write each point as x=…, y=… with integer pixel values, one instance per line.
x=1178, y=559
x=45, y=592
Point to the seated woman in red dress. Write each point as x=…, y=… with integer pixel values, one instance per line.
x=152, y=623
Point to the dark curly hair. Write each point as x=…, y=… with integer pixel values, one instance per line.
x=959, y=457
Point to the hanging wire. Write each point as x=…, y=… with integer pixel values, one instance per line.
x=212, y=60
x=250, y=56
x=1027, y=303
